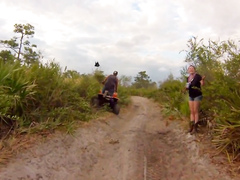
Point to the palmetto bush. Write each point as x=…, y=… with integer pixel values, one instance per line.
x=227, y=114
x=62, y=97
x=16, y=92
x=40, y=95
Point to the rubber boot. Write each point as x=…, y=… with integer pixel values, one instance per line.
x=191, y=126
x=195, y=130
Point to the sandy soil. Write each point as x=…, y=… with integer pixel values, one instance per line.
x=135, y=145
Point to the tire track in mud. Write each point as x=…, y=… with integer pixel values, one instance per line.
x=173, y=155
x=128, y=153
x=135, y=145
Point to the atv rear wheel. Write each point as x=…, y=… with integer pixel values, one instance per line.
x=116, y=109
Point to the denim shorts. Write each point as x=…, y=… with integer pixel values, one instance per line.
x=198, y=98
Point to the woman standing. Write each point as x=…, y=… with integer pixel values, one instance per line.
x=194, y=83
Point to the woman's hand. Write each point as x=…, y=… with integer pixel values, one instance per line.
x=202, y=81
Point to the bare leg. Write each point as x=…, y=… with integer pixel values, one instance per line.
x=191, y=107
x=191, y=123
x=196, y=105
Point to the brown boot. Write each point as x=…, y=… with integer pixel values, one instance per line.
x=191, y=126
x=195, y=130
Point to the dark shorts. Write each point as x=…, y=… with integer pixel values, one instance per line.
x=198, y=98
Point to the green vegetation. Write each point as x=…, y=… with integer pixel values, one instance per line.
x=220, y=63
x=41, y=96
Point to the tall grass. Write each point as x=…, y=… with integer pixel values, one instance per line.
x=42, y=96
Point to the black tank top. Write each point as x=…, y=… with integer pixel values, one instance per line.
x=195, y=86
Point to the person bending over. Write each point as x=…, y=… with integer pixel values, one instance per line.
x=110, y=83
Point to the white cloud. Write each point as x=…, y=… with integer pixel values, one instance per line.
x=128, y=35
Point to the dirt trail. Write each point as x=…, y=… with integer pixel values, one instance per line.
x=135, y=145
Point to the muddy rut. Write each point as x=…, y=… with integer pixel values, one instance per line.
x=135, y=145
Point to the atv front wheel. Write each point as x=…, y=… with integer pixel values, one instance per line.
x=95, y=102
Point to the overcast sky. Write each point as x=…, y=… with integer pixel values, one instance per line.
x=124, y=35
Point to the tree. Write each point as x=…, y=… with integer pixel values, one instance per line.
x=125, y=80
x=6, y=56
x=142, y=80
x=71, y=74
x=99, y=76
x=30, y=56
x=23, y=49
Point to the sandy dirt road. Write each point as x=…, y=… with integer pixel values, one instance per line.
x=135, y=145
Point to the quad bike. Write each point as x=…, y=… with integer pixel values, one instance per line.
x=105, y=98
